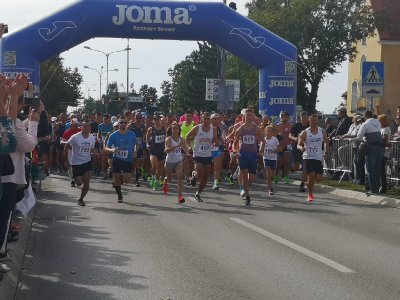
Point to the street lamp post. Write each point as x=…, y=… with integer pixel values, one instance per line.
x=107, y=54
x=127, y=74
x=100, y=72
x=89, y=89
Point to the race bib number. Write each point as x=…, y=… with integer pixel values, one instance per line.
x=121, y=153
x=159, y=139
x=204, y=148
x=178, y=150
x=313, y=150
x=249, y=139
x=269, y=152
x=84, y=148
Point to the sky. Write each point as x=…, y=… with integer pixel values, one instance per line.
x=149, y=60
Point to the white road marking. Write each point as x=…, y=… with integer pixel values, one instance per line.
x=295, y=247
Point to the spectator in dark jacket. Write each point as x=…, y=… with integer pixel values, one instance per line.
x=344, y=122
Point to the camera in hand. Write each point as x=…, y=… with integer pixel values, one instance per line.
x=33, y=102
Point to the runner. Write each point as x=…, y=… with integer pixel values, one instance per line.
x=203, y=136
x=297, y=157
x=138, y=129
x=174, y=145
x=123, y=145
x=155, y=139
x=249, y=136
x=310, y=143
x=271, y=147
x=82, y=145
x=284, y=156
x=74, y=128
x=188, y=164
x=103, y=129
x=218, y=153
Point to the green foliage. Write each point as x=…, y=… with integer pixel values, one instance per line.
x=324, y=31
x=166, y=98
x=59, y=85
x=189, y=79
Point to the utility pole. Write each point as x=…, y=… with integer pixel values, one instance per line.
x=127, y=76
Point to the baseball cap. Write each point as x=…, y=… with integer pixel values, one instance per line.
x=115, y=124
x=243, y=111
x=156, y=116
x=214, y=116
x=114, y=119
x=342, y=108
x=53, y=119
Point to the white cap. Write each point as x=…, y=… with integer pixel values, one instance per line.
x=115, y=124
x=53, y=119
x=114, y=119
x=214, y=116
x=243, y=111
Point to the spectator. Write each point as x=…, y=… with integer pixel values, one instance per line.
x=386, y=137
x=370, y=133
x=43, y=136
x=343, y=124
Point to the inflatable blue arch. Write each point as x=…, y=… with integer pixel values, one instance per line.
x=24, y=50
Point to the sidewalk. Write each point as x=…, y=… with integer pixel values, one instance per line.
x=361, y=196
x=9, y=281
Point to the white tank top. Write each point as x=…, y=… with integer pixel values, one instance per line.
x=313, y=144
x=176, y=155
x=202, y=142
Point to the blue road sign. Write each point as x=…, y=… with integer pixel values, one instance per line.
x=373, y=73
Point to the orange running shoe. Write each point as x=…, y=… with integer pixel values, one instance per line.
x=310, y=198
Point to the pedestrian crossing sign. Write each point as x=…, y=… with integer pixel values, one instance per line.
x=373, y=73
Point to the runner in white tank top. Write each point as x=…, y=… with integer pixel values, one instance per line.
x=310, y=143
x=204, y=137
x=174, y=160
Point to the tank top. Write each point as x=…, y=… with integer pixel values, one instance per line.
x=139, y=132
x=176, y=155
x=185, y=128
x=313, y=145
x=248, y=139
x=157, y=140
x=202, y=142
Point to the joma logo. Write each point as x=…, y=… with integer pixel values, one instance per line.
x=151, y=15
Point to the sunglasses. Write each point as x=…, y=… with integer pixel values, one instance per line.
x=122, y=122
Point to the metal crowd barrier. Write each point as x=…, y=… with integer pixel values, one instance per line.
x=340, y=158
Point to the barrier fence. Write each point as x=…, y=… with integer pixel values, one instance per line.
x=348, y=158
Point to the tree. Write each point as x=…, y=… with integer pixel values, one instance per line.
x=59, y=86
x=189, y=79
x=167, y=97
x=325, y=33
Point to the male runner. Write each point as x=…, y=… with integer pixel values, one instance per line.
x=249, y=135
x=123, y=145
x=284, y=157
x=138, y=129
x=82, y=145
x=103, y=129
x=204, y=137
x=155, y=139
x=188, y=165
x=310, y=143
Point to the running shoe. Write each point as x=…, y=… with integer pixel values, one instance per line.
x=81, y=202
x=72, y=183
x=197, y=197
x=242, y=192
x=276, y=179
x=181, y=199
x=271, y=191
x=155, y=185
x=137, y=184
x=231, y=180
x=120, y=198
x=310, y=198
x=193, y=181
x=286, y=179
x=302, y=189
x=215, y=187
x=247, y=202
x=165, y=187
x=152, y=181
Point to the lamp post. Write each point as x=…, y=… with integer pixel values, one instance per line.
x=89, y=89
x=107, y=54
x=100, y=72
x=127, y=74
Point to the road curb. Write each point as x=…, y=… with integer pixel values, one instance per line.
x=376, y=199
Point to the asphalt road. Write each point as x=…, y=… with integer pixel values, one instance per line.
x=150, y=247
